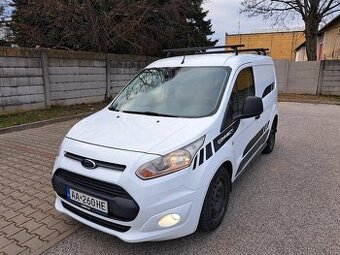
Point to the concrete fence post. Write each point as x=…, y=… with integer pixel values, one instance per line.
x=46, y=80
x=108, y=78
x=320, y=78
x=287, y=77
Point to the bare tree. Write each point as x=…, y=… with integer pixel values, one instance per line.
x=312, y=13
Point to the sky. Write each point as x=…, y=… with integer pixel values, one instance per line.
x=225, y=18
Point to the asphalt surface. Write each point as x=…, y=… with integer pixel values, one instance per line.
x=287, y=202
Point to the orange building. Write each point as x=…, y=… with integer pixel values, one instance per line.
x=281, y=45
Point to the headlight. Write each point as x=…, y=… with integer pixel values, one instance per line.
x=170, y=163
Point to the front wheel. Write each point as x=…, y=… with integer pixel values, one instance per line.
x=215, y=202
x=270, y=142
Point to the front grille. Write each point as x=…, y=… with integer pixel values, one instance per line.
x=101, y=222
x=93, y=184
x=104, y=164
x=121, y=206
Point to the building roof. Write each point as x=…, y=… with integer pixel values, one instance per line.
x=330, y=24
x=267, y=32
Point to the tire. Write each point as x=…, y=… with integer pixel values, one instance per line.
x=270, y=142
x=215, y=202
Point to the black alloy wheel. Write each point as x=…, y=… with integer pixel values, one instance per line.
x=215, y=202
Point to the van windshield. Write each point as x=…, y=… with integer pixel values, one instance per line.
x=173, y=91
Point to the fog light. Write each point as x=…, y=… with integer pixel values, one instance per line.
x=169, y=220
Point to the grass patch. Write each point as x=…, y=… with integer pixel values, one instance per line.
x=45, y=114
x=305, y=97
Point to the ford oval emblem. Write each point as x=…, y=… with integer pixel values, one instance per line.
x=88, y=163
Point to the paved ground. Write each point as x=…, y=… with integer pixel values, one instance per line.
x=287, y=202
x=28, y=220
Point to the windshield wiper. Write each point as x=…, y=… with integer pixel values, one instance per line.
x=151, y=113
x=111, y=108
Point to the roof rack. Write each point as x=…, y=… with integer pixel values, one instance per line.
x=204, y=50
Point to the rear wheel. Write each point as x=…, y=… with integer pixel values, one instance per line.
x=215, y=202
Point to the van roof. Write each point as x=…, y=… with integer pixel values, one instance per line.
x=217, y=59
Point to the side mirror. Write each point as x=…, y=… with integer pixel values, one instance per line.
x=252, y=107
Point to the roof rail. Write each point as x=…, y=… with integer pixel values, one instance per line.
x=203, y=50
x=260, y=51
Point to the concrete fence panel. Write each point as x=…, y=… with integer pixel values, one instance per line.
x=303, y=77
x=74, y=81
x=21, y=83
x=330, y=78
x=282, y=68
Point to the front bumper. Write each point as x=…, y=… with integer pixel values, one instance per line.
x=144, y=225
x=132, y=234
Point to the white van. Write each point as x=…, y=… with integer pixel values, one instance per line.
x=160, y=160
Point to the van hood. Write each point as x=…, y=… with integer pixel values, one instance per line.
x=142, y=133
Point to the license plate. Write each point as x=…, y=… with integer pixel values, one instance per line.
x=87, y=201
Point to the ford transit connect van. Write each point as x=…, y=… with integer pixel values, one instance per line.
x=160, y=160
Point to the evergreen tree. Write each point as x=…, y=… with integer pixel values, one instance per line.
x=119, y=26
x=197, y=29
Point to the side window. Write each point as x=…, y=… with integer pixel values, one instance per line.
x=244, y=86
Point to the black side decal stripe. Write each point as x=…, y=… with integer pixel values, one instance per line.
x=252, y=151
x=255, y=138
x=201, y=156
x=195, y=161
x=226, y=134
x=268, y=89
x=208, y=151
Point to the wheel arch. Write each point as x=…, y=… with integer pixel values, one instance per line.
x=275, y=122
x=229, y=168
